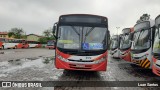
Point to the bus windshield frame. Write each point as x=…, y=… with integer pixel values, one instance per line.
x=80, y=36
x=156, y=46
x=125, y=41
x=142, y=36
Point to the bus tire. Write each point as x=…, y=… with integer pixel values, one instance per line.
x=2, y=46
x=15, y=47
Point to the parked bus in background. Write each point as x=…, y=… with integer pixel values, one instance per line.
x=126, y=43
x=114, y=47
x=34, y=44
x=81, y=42
x=13, y=43
x=143, y=38
x=156, y=48
x=51, y=44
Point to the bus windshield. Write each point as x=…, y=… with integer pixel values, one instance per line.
x=50, y=43
x=141, y=40
x=125, y=41
x=80, y=37
x=156, y=47
x=114, y=44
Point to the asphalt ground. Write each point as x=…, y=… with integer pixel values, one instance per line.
x=38, y=65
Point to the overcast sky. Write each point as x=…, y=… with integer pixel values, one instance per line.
x=35, y=16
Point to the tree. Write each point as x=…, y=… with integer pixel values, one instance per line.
x=144, y=17
x=48, y=35
x=16, y=32
x=10, y=34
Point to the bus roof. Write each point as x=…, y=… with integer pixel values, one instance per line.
x=157, y=20
x=83, y=15
x=83, y=20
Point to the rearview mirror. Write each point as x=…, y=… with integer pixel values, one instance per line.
x=159, y=33
x=54, y=30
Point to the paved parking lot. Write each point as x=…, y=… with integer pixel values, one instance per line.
x=37, y=65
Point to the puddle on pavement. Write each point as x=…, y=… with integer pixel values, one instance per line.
x=7, y=52
x=14, y=65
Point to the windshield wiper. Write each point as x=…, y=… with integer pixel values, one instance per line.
x=87, y=33
x=75, y=30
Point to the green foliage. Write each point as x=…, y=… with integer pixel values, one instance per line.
x=44, y=40
x=10, y=34
x=48, y=35
x=16, y=32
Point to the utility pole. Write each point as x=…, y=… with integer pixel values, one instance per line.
x=117, y=29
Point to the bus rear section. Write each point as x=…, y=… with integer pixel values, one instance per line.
x=79, y=46
x=125, y=44
x=114, y=47
x=33, y=44
x=39, y=45
x=141, y=51
x=20, y=43
x=156, y=48
x=51, y=44
x=2, y=40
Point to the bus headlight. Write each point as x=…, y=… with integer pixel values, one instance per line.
x=61, y=58
x=100, y=60
x=144, y=56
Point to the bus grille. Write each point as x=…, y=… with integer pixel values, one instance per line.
x=80, y=60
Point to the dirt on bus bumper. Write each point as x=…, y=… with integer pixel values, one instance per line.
x=89, y=67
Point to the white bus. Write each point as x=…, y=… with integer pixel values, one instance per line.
x=156, y=48
x=141, y=51
x=115, y=52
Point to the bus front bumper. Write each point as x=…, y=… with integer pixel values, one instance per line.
x=85, y=67
x=142, y=63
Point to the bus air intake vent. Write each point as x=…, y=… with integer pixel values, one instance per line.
x=80, y=60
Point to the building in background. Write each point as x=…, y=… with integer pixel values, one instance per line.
x=33, y=37
x=3, y=34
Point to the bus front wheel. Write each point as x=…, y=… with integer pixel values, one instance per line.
x=15, y=47
x=2, y=46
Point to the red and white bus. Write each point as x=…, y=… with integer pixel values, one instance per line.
x=34, y=44
x=115, y=42
x=141, y=51
x=13, y=43
x=51, y=44
x=156, y=48
x=126, y=43
x=81, y=42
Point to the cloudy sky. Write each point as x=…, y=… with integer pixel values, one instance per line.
x=35, y=16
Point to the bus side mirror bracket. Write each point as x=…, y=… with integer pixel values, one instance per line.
x=158, y=31
x=54, y=31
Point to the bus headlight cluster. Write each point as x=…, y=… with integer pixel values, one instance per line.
x=61, y=58
x=144, y=56
x=100, y=60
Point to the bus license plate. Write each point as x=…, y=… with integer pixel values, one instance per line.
x=80, y=65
